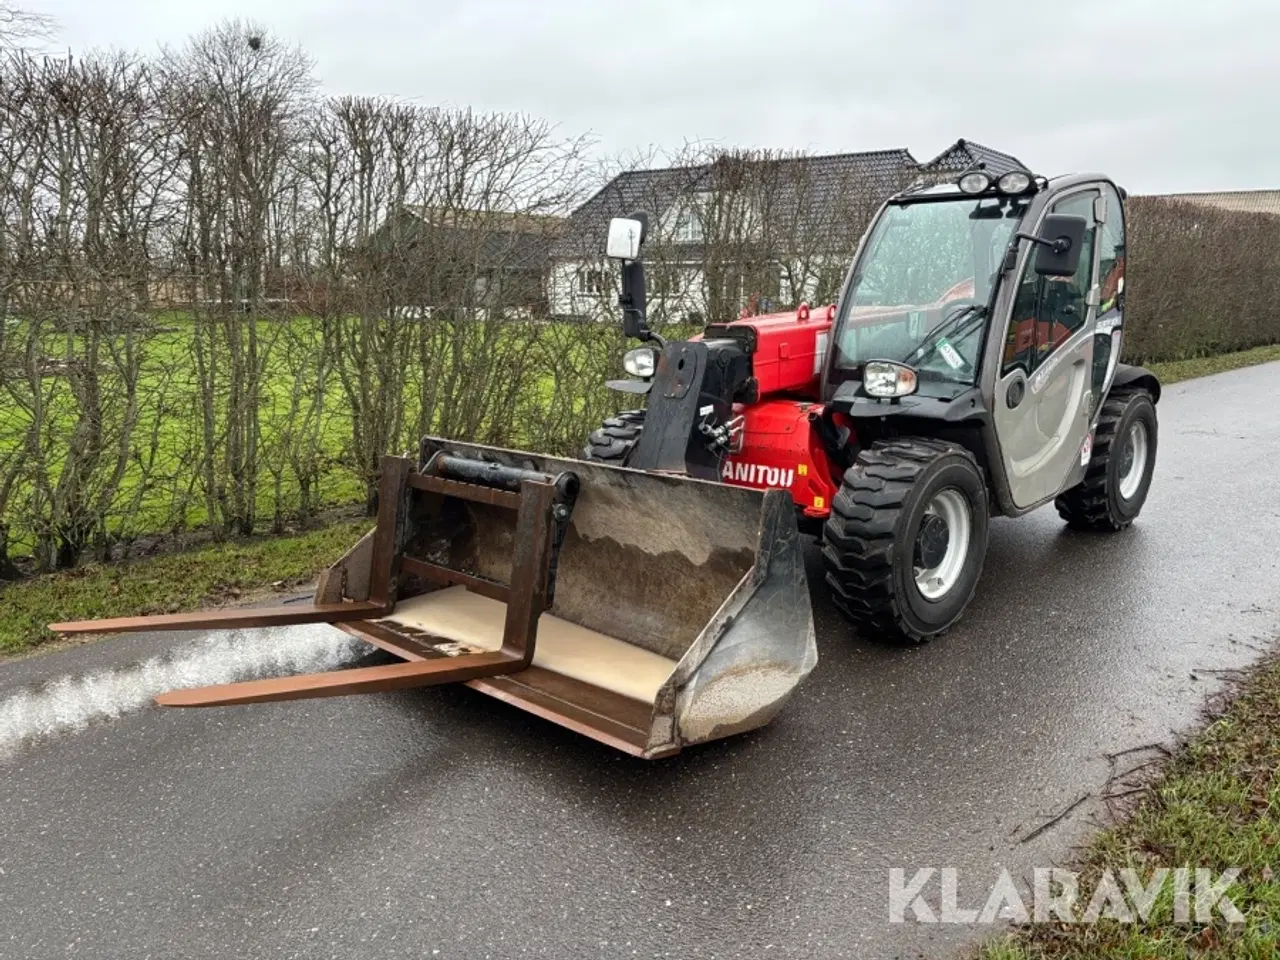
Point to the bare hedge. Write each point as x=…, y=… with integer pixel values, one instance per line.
x=1199, y=280
x=223, y=297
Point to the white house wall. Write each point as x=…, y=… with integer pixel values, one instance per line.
x=567, y=297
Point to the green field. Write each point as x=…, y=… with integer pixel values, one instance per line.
x=329, y=397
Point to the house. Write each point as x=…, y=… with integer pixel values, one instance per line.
x=1239, y=201
x=745, y=230
x=964, y=155
x=433, y=258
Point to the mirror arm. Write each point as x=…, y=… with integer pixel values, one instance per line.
x=1061, y=245
x=634, y=325
x=633, y=302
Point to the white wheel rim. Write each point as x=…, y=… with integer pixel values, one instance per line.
x=953, y=508
x=1135, y=453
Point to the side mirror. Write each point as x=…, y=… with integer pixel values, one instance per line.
x=625, y=236
x=632, y=301
x=1060, y=244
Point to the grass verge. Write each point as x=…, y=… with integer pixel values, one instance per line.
x=1216, y=805
x=1175, y=370
x=212, y=575
x=230, y=572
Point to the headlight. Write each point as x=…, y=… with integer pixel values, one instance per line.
x=884, y=378
x=974, y=182
x=1013, y=182
x=640, y=362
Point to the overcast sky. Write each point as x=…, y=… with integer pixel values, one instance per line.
x=1165, y=96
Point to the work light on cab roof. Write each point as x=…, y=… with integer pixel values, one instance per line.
x=1012, y=184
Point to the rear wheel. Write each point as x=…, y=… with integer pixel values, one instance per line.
x=1120, y=466
x=907, y=535
x=615, y=439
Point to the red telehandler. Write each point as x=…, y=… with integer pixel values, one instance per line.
x=970, y=368
x=654, y=595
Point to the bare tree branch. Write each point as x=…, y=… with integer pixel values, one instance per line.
x=19, y=25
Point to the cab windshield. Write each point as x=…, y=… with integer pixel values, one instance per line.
x=920, y=290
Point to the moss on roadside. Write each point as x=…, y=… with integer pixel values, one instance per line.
x=1176, y=370
x=168, y=584
x=1216, y=805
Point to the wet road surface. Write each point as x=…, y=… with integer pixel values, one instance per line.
x=444, y=824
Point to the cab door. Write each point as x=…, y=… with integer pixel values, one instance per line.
x=1044, y=400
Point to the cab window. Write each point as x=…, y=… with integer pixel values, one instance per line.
x=1048, y=310
x=1111, y=286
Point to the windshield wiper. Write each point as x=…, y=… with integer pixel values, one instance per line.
x=937, y=376
x=952, y=323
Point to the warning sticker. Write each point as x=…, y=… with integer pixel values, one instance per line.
x=950, y=354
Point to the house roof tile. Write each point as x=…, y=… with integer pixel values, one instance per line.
x=1244, y=201
x=826, y=181
x=964, y=154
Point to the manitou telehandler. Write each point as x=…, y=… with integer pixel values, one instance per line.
x=970, y=367
x=654, y=594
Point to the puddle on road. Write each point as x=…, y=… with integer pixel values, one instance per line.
x=72, y=703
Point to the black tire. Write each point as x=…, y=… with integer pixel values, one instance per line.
x=615, y=439
x=870, y=539
x=1096, y=503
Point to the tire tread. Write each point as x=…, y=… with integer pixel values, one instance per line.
x=614, y=440
x=1087, y=505
x=859, y=535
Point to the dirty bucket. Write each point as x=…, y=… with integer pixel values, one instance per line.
x=648, y=611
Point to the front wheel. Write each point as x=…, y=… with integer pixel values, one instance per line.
x=615, y=439
x=1120, y=466
x=907, y=536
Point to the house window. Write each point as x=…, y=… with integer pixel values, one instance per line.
x=666, y=282
x=688, y=226
x=591, y=281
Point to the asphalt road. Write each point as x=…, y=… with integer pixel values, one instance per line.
x=444, y=824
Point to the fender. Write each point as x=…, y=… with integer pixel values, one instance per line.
x=1128, y=375
x=630, y=386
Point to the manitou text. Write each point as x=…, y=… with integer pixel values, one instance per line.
x=758, y=475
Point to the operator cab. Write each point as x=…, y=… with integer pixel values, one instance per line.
x=993, y=310
x=921, y=287
x=926, y=286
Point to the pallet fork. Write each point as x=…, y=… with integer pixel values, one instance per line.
x=644, y=613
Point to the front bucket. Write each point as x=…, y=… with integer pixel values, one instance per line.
x=681, y=610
